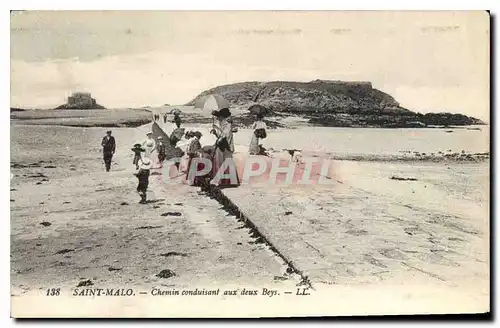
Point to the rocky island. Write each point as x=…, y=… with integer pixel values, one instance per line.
x=81, y=100
x=333, y=103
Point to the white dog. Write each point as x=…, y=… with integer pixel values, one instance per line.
x=296, y=155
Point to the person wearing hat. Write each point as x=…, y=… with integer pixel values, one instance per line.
x=193, y=150
x=149, y=145
x=224, y=146
x=142, y=175
x=108, y=149
x=176, y=136
x=177, y=120
x=259, y=133
x=137, y=155
x=161, y=149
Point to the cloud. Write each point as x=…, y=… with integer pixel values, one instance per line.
x=473, y=101
x=148, y=58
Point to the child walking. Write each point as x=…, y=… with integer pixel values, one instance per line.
x=142, y=175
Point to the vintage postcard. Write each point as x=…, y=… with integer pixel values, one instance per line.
x=249, y=164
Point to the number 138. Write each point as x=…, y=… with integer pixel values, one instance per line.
x=53, y=291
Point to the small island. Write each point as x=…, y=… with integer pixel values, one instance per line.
x=81, y=100
x=333, y=104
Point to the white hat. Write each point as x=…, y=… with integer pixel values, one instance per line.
x=160, y=137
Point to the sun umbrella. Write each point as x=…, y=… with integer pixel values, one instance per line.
x=175, y=111
x=258, y=110
x=212, y=102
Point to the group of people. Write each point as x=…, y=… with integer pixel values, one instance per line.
x=219, y=153
x=142, y=162
x=177, y=119
x=143, y=152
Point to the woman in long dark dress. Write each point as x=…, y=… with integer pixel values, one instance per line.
x=161, y=150
x=177, y=120
x=194, y=151
x=224, y=147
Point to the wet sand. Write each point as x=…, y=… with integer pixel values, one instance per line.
x=71, y=221
x=427, y=237
x=365, y=227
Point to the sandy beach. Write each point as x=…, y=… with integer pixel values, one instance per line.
x=361, y=141
x=74, y=223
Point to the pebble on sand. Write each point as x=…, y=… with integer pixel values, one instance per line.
x=166, y=273
x=37, y=175
x=148, y=227
x=64, y=251
x=171, y=214
x=46, y=224
x=403, y=179
x=85, y=283
x=173, y=254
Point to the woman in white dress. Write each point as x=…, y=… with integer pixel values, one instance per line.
x=149, y=145
x=259, y=132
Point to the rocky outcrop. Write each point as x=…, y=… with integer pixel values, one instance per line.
x=408, y=120
x=333, y=103
x=81, y=100
x=308, y=97
x=448, y=119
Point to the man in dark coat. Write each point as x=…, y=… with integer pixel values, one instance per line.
x=108, y=149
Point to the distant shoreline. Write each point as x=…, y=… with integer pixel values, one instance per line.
x=82, y=118
x=133, y=117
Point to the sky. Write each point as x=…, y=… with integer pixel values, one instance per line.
x=428, y=61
